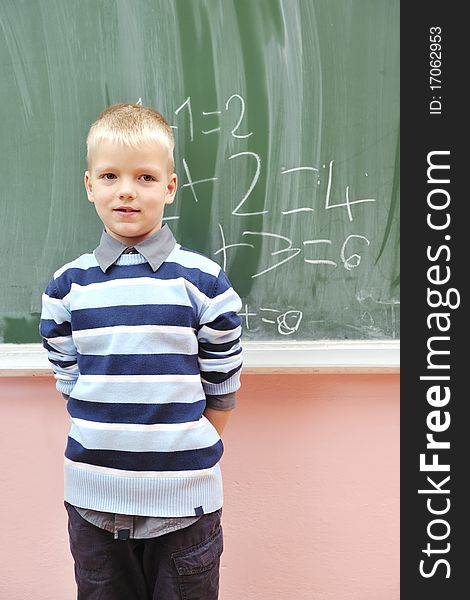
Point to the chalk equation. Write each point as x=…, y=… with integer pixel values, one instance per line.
x=286, y=322
x=255, y=159
x=280, y=240
x=349, y=262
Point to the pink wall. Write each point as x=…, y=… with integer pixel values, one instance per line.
x=311, y=482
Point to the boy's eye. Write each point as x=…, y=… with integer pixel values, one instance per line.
x=109, y=176
x=147, y=177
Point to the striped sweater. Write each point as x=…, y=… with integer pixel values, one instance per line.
x=137, y=350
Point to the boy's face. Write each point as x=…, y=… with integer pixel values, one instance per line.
x=129, y=188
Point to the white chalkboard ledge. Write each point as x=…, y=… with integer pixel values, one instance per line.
x=380, y=356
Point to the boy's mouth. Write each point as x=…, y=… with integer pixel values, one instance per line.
x=125, y=210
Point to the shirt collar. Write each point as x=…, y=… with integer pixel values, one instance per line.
x=154, y=249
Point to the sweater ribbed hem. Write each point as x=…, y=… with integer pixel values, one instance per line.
x=143, y=496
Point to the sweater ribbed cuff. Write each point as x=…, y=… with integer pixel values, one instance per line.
x=65, y=387
x=225, y=387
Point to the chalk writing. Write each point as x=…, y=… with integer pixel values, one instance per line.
x=286, y=322
x=289, y=248
x=252, y=185
x=191, y=183
x=349, y=263
x=187, y=103
x=318, y=261
x=226, y=247
x=273, y=247
x=215, y=129
x=242, y=114
x=298, y=169
x=297, y=210
x=353, y=261
x=348, y=203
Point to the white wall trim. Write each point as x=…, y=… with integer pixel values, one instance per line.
x=326, y=356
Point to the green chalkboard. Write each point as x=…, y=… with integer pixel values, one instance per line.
x=286, y=117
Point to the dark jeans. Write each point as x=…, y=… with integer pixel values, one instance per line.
x=182, y=565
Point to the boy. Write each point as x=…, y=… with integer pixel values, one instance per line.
x=143, y=338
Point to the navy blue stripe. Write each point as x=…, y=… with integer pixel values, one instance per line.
x=213, y=355
x=217, y=377
x=63, y=363
x=168, y=270
x=183, y=460
x=138, y=364
x=222, y=284
x=48, y=328
x=142, y=414
x=52, y=290
x=143, y=314
x=225, y=322
x=203, y=281
x=218, y=347
x=48, y=346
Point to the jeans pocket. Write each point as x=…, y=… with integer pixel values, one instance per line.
x=198, y=568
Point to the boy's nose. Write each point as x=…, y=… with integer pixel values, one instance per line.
x=127, y=192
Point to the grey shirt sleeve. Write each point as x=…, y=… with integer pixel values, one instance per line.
x=223, y=402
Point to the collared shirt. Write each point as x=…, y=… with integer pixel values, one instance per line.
x=155, y=250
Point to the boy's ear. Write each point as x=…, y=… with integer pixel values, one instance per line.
x=88, y=186
x=171, y=188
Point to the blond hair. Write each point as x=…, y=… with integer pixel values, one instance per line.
x=131, y=125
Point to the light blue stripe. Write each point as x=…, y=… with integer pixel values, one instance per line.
x=194, y=261
x=54, y=310
x=149, y=441
x=64, y=350
x=85, y=261
x=138, y=342
x=213, y=309
x=148, y=392
x=208, y=364
x=65, y=373
x=102, y=295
